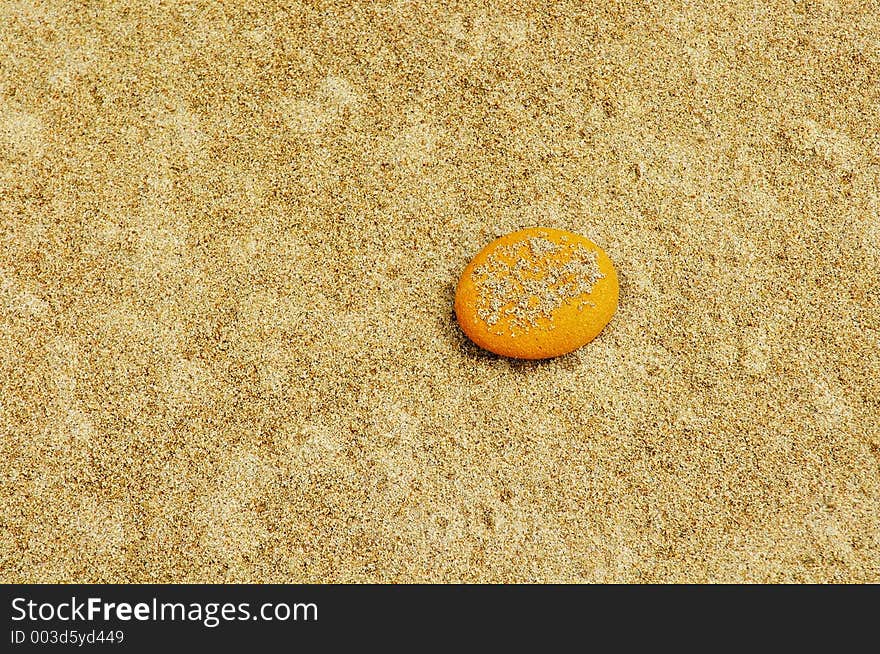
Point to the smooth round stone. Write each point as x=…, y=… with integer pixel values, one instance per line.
x=536, y=293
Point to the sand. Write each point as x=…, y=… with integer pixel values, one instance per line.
x=229, y=239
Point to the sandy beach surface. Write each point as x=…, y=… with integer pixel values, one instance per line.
x=230, y=234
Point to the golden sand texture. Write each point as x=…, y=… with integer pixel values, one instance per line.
x=229, y=239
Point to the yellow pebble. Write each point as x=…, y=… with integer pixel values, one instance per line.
x=536, y=293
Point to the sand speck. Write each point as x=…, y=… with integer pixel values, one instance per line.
x=524, y=283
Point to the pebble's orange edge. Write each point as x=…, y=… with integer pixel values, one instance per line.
x=573, y=324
